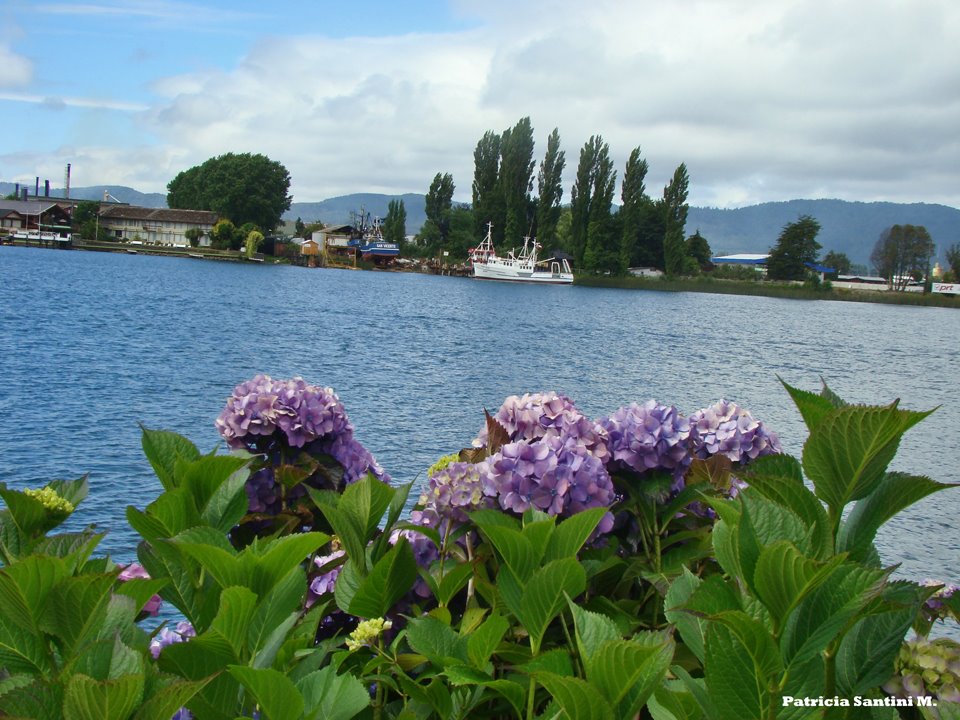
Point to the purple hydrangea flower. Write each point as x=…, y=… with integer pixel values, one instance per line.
x=537, y=416
x=453, y=492
x=181, y=632
x=728, y=429
x=649, y=437
x=553, y=475
x=325, y=583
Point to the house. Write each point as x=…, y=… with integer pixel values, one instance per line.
x=156, y=226
x=334, y=243
x=35, y=215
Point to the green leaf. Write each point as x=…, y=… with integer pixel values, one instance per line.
x=572, y=533
x=692, y=628
x=348, y=527
x=280, y=556
x=26, y=587
x=738, y=667
x=545, y=596
x=237, y=605
x=204, y=659
x=784, y=577
x=76, y=548
x=141, y=590
x=482, y=642
x=453, y=581
x=868, y=651
x=626, y=672
x=89, y=699
x=280, y=634
x=671, y=701
x=284, y=599
x=847, y=453
x=578, y=699
x=278, y=697
x=516, y=550
x=821, y=616
x=163, y=703
x=390, y=579
x=328, y=696
x=437, y=641
x=539, y=532
x=27, y=513
x=726, y=546
x=228, y=503
x=813, y=408
x=592, y=630
x=21, y=651
x=895, y=492
x=163, y=449
x=78, y=607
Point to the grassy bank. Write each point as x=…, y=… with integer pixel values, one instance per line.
x=767, y=289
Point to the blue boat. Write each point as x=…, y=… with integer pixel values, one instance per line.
x=370, y=242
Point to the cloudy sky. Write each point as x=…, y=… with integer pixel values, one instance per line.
x=850, y=99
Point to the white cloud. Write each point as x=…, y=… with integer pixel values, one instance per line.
x=15, y=70
x=762, y=101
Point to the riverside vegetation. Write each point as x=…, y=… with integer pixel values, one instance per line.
x=645, y=564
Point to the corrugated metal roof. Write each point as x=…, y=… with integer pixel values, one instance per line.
x=742, y=259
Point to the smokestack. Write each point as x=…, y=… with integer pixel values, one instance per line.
x=46, y=188
x=16, y=190
x=36, y=190
x=26, y=192
x=68, y=182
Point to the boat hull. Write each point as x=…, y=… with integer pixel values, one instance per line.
x=493, y=271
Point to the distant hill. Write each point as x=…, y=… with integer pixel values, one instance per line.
x=337, y=210
x=848, y=227
x=95, y=192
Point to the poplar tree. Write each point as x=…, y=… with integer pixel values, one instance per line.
x=516, y=178
x=675, y=209
x=395, y=224
x=550, y=190
x=487, y=199
x=595, y=248
x=633, y=195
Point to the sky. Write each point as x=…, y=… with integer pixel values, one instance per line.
x=763, y=101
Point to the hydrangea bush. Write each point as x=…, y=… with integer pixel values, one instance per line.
x=644, y=564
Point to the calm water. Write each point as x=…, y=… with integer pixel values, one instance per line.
x=93, y=344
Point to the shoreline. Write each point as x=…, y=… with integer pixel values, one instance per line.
x=696, y=285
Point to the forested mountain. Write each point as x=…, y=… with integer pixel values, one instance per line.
x=848, y=227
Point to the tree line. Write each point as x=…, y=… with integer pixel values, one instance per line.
x=642, y=231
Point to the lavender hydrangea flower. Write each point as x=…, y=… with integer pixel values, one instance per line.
x=270, y=417
x=326, y=582
x=453, y=492
x=728, y=429
x=554, y=476
x=649, y=437
x=537, y=416
x=181, y=632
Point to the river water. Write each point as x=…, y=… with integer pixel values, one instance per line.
x=93, y=344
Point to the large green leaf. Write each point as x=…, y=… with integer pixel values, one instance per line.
x=389, y=580
x=162, y=450
x=228, y=503
x=328, y=696
x=736, y=674
x=516, y=550
x=437, y=641
x=784, y=577
x=895, y=492
x=27, y=513
x=26, y=590
x=284, y=599
x=813, y=408
x=671, y=701
x=21, y=651
x=367, y=500
x=204, y=659
x=572, y=533
x=237, y=605
x=482, y=642
x=847, y=453
x=626, y=672
x=592, y=630
x=89, y=699
x=163, y=703
x=867, y=653
x=280, y=556
x=78, y=608
x=577, y=699
x=545, y=595
x=764, y=522
x=692, y=627
x=348, y=527
x=201, y=478
x=820, y=617
x=277, y=696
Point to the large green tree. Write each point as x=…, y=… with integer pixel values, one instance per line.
x=699, y=250
x=395, y=224
x=550, y=191
x=796, y=246
x=243, y=188
x=516, y=179
x=838, y=261
x=953, y=260
x=903, y=253
x=676, y=261
x=438, y=205
x=633, y=196
x=594, y=248
x=487, y=199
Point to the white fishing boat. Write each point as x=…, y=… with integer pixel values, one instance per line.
x=524, y=267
